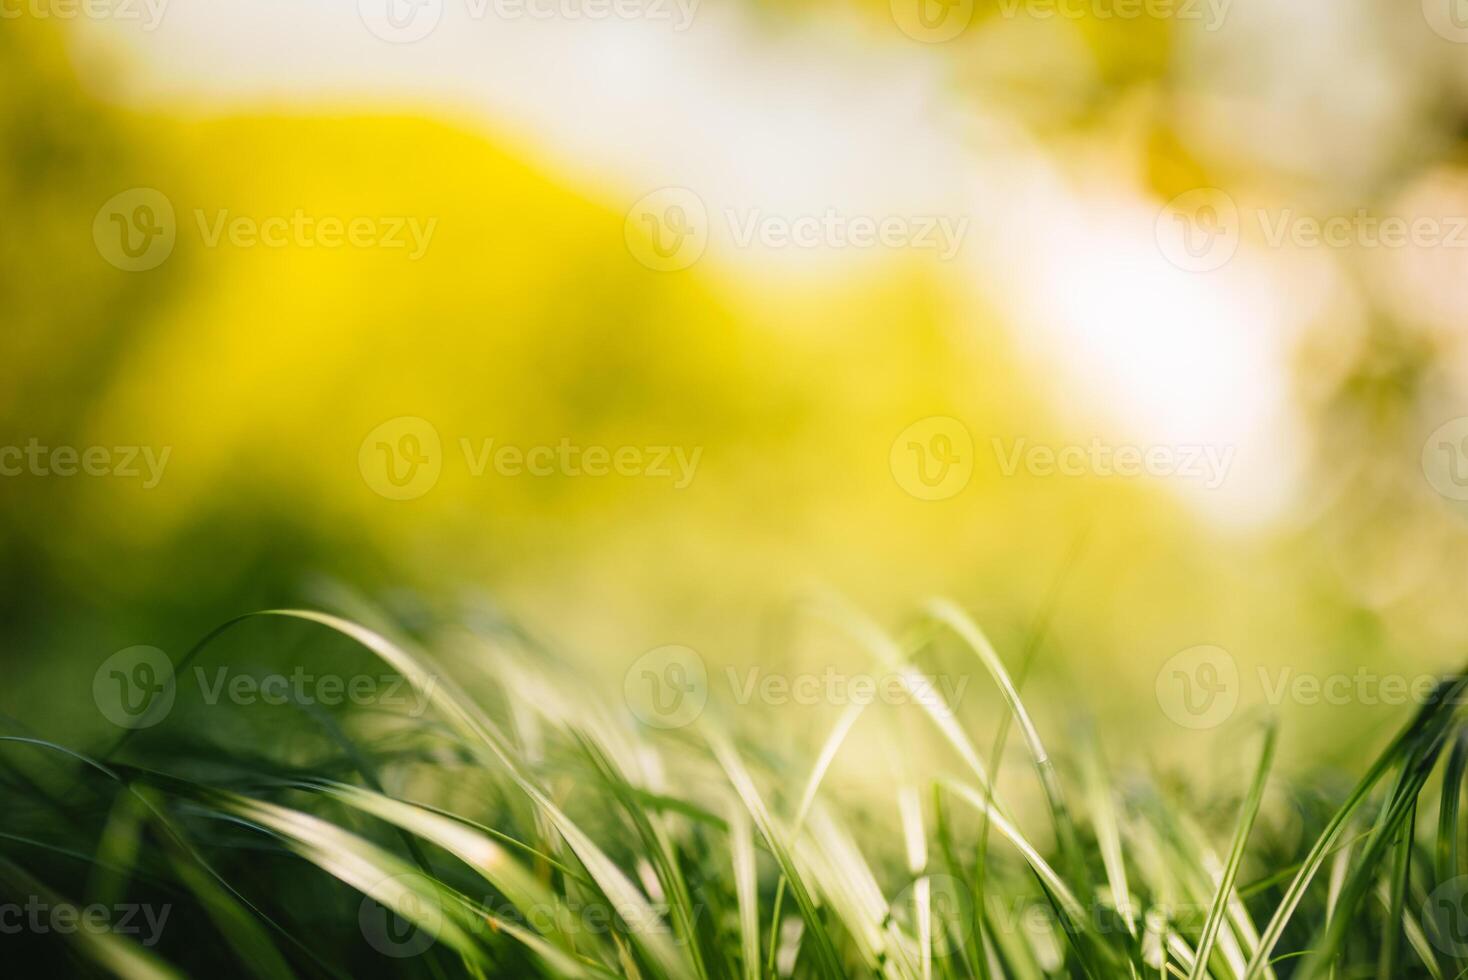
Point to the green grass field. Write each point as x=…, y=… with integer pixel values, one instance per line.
x=506, y=823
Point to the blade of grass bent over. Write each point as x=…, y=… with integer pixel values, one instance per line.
x=950, y=615
x=485, y=739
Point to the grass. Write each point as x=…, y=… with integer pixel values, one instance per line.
x=518, y=828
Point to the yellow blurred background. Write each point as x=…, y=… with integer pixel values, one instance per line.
x=509, y=156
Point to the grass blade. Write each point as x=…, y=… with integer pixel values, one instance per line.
x=1247, y=815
